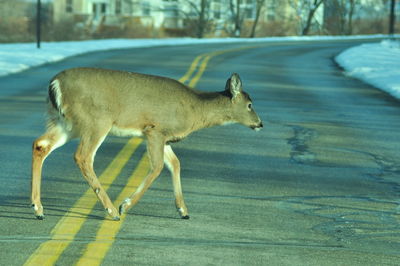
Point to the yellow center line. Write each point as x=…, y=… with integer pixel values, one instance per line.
x=65, y=230
x=206, y=57
x=191, y=69
x=97, y=250
x=199, y=73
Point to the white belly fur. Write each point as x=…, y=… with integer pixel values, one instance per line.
x=126, y=132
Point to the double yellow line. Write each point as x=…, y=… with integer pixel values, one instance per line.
x=65, y=230
x=199, y=64
x=63, y=234
x=201, y=61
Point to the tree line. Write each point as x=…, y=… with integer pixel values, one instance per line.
x=268, y=18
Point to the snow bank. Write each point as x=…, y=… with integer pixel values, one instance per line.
x=17, y=57
x=377, y=64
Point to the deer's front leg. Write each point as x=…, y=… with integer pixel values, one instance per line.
x=84, y=158
x=174, y=167
x=155, y=151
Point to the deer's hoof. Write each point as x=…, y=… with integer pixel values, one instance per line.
x=124, y=206
x=121, y=209
x=112, y=212
x=38, y=211
x=183, y=213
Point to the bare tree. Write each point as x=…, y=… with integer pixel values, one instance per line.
x=309, y=7
x=350, y=15
x=345, y=13
x=237, y=16
x=312, y=8
x=392, y=18
x=259, y=6
x=198, y=16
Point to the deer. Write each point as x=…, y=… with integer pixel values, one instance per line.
x=90, y=103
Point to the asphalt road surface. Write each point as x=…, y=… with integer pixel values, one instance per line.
x=319, y=185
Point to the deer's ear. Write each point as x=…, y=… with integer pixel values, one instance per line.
x=234, y=85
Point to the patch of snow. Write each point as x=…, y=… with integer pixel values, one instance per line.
x=17, y=57
x=376, y=63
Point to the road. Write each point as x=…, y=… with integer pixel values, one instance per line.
x=319, y=185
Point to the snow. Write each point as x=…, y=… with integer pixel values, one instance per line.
x=377, y=64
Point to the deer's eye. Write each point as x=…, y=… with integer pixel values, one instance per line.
x=249, y=106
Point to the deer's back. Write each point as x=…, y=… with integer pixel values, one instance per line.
x=128, y=100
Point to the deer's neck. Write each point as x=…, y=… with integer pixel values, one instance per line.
x=215, y=109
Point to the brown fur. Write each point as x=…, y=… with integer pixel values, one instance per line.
x=89, y=103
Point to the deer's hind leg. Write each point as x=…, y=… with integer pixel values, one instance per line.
x=84, y=158
x=54, y=137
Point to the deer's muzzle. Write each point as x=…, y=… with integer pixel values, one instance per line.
x=257, y=127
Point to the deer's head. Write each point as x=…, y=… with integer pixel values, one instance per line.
x=242, y=106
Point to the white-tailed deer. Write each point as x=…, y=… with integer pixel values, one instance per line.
x=89, y=103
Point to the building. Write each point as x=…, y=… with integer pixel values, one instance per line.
x=153, y=13
x=175, y=15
